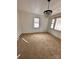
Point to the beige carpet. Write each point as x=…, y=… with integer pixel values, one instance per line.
x=38, y=46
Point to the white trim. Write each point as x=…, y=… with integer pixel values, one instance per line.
x=18, y=56
x=25, y=40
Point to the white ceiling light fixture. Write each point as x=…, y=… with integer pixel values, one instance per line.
x=48, y=12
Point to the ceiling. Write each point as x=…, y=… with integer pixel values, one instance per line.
x=38, y=6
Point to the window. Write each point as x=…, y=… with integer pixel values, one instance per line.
x=58, y=24
x=36, y=22
x=52, y=24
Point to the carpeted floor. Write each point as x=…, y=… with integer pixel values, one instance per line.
x=38, y=46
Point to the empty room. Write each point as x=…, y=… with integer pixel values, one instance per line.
x=38, y=29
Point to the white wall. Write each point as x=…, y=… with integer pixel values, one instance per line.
x=19, y=27
x=55, y=33
x=27, y=22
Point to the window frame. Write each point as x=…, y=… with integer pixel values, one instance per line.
x=55, y=24
x=36, y=22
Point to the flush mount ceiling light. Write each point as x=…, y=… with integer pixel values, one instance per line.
x=48, y=12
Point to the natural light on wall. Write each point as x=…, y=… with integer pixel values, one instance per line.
x=36, y=22
x=52, y=24
x=58, y=24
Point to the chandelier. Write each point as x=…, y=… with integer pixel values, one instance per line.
x=48, y=12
